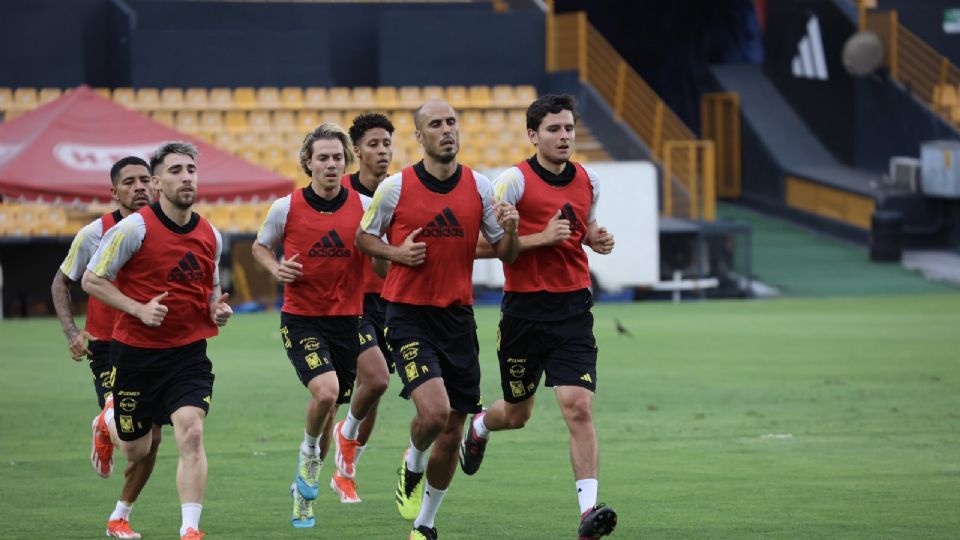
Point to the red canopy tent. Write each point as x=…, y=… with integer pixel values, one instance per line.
x=65, y=150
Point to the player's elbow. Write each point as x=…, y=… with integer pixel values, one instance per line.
x=89, y=282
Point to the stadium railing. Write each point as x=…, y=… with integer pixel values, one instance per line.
x=929, y=75
x=574, y=44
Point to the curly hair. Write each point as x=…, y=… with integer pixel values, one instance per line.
x=367, y=121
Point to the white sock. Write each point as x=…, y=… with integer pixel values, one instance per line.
x=191, y=517
x=587, y=493
x=480, y=428
x=432, y=497
x=351, y=426
x=121, y=511
x=417, y=459
x=309, y=445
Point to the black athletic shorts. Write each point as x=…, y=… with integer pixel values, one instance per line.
x=316, y=345
x=371, y=327
x=456, y=361
x=565, y=349
x=150, y=384
x=99, y=360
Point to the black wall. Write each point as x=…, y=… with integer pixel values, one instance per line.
x=925, y=18
x=827, y=106
x=461, y=48
x=169, y=43
x=53, y=42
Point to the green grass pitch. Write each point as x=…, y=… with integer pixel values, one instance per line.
x=820, y=418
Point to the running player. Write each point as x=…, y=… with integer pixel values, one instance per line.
x=323, y=293
x=160, y=260
x=132, y=190
x=546, y=323
x=433, y=213
x=372, y=135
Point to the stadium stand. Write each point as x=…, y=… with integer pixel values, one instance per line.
x=266, y=126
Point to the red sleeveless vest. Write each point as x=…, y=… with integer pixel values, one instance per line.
x=101, y=318
x=562, y=267
x=451, y=225
x=332, y=264
x=181, y=264
x=372, y=283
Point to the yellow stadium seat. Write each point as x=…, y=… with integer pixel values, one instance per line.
x=284, y=121
x=471, y=120
x=249, y=153
x=104, y=92
x=148, y=99
x=410, y=97
x=307, y=120
x=125, y=97
x=171, y=99
x=503, y=96
x=225, y=141
x=291, y=98
x=272, y=138
x=25, y=99
x=244, y=98
x=164, y=117
x=196, y=99
x=457, y=97
x=220, y=99
x=290, y=169
x=339, y=98
x=268, y=97
x=363, y=98
x=49, y=94
x=6, y=99
x=479, y=96
x=259, y=121
x=11, y=114
x=525, y=95
x=293, y=140
x=247, y=138
x=402, y=121
x=272, y=155
x=235, y=121
x=187, y=122
x=211, y=121
x=315, y=98
x=494, y=120
x=221, y=215
x=431, y=92
x=387, y=97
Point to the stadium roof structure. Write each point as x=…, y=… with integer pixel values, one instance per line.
x=64, y=150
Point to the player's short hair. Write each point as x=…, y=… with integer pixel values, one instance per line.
x=550, y=103
x=173, y=147
x=327, y=130
x=118, y=166
x=367, y=121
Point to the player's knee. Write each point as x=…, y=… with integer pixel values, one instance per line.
x=191, y=437
x=136, y=451
x=434, y=421
x=578, y=410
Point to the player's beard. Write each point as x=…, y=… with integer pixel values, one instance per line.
x=444, y=157
x=182, y=199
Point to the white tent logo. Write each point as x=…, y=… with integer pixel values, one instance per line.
x=810, y=63
x=90, y=157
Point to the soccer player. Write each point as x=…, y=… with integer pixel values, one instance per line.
x=323, y=293
x=433, y=214
x=546, y=323
x=132, y=189
x=164, y=260
x=372, y=136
